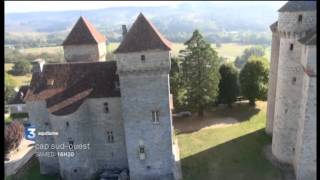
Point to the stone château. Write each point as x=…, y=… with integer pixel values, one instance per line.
x=121, y=108
x=291, y=110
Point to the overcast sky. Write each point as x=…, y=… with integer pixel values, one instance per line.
x=36, y=6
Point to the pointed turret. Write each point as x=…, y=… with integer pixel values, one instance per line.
x=84, y=32
x=143, y=36
x=84, y=43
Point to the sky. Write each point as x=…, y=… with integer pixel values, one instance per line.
x=36, y=6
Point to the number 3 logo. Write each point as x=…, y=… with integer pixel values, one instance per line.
x=30, y=132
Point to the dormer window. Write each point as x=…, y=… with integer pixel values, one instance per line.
x=50, y=82
x=143, y=58
x=300, y=18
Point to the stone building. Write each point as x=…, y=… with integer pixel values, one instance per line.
x=120, y=108
x=291, y=110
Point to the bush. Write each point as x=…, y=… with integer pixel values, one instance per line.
x=228, y=87
x=21, y=68
x=19, y=115
x=9, y=84
x=254, y=79
x=13, y=135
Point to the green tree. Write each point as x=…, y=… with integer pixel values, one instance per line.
x=252, y=51
x=9, y=85
x=21, y=68
x=176, y=85
x=229, y=86
x=200, y=68
x=254, y=79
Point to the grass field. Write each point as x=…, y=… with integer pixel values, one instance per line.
x=228, y=50
x=40, y=50
x=228, y=153
x=20, y=80
x=31, y=173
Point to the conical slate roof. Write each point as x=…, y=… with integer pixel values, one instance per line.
x=143, y=36
x=292, y=6
x=84, y=32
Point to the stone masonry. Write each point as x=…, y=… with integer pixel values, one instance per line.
x=291, y=114
x=120, y=109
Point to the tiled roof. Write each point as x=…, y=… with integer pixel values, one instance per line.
x=83, y=32
x=292, y=6
x=18, y=99
x=143, y=36
x=65, y=86
x=310, y=38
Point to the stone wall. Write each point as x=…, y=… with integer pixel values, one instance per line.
x=145, y=88
x=272, y=81
x=289, y=83
x=288, y=21
x=90, y=52
x=108, y=155
x=88, y=125
x=305, y=157
x=39, y=116
x=288, y=100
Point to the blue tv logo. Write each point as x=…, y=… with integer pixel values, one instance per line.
x=30, y=132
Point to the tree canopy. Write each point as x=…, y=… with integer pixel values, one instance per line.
x=21, y=68
x=9, y=85
x=229, y=86
x=254, y=79
x=252, y=51
x=200, y=69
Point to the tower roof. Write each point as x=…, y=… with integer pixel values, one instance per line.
x=292, y=6
x=83, y=32
x=143, y=36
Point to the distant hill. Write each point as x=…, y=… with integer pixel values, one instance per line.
x=216, y=21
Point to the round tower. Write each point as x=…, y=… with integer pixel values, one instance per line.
x=295, y=20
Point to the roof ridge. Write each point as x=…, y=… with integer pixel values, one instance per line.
x=83, y=32
x=143, y=35
x=93, y=31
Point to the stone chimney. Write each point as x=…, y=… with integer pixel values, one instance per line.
x=37, y=65
x=124, y=31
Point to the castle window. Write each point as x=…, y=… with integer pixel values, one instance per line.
x=106, y=107
x=155, y=117
x=142, y=154
x=46, y=124
x=291, y=47
x=70, y=143
x=110, y=136
x=117, y=85
x=143, y=58
x=75, y=170
x=300, y=18
x=67, y=124
x=294, y=79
